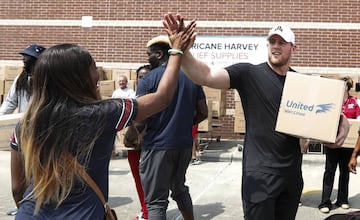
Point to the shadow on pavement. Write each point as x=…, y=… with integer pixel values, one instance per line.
x=201, y=212
x=119, y=201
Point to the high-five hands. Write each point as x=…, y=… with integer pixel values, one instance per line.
x=181, y=37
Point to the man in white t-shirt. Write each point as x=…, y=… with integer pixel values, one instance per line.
x=123, y=91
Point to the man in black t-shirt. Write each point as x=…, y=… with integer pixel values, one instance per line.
x=272, y=180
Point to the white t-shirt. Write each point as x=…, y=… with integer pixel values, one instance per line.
x=123, y=93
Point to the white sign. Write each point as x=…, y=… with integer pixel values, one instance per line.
x=86, y=21
x=222, y=51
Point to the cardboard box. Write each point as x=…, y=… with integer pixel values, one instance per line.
x=7, y=86
x=310, y=107
x=119, y=139
x=118, y=72
x=353, y=135
x=133, y=74
x=107, y=87
x=218, y=96
x=10, y=72
x=7, y=126
x=238, y=108
x=236, y=96
x=104, y=73
x=239, y=125
x=2, y=87
x=218, y=109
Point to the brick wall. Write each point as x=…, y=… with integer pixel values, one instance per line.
x=327, y=32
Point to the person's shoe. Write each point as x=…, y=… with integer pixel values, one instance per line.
x=300, y=203
x=195, y=161
x=12, y=212
x=345, y=206
x=139, y=217
x=324, y=209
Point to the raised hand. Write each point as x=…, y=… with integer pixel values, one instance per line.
x=176, y=29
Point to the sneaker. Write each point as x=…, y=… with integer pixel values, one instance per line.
x=345, y=206
x=139, y=217
x=195, y=161
x=324, y=209
x=12, y=212
x=300, y=203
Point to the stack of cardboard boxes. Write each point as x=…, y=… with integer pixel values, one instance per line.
x=7, y=122
x=215, y=99
x=239, y=118
x=108, y=79
x=108, y=85
x=7, y=125
x=7, y=76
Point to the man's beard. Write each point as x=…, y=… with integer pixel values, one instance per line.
x=29, y=65
x=154, y=62
x=278, y=62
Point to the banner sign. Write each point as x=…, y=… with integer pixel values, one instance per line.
x=222, y=51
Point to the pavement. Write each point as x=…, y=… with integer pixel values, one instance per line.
x=215, y=186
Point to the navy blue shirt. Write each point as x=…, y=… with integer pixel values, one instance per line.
x=83, y=203
x=172, y=127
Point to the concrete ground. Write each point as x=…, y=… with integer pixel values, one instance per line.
x=214, y=185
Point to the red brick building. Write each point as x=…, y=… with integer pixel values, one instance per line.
x=327, y=32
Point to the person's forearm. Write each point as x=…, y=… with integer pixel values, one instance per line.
x=356, y=150
x=168, y=81
x=195, y=69
x=199, y=118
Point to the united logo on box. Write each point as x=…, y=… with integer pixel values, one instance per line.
x=310, y=107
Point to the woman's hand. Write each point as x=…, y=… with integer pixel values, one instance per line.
x=343, y=130
x=352, y=165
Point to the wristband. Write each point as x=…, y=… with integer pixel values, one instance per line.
x=175, y=51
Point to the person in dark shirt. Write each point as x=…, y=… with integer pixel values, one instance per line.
x=271, y=177
x=166, y=150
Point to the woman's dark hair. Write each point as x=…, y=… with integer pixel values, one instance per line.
x=63, y=71
x=56, y=129
x=146, y=66
x=349, y=82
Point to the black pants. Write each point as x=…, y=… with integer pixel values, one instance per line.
x=334, y=157
x=270, y=196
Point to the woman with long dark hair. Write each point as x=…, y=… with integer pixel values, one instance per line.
x=67, y=127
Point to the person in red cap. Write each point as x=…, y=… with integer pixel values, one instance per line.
x=20, y=91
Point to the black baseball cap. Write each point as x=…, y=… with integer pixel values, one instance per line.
x=33, y=50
